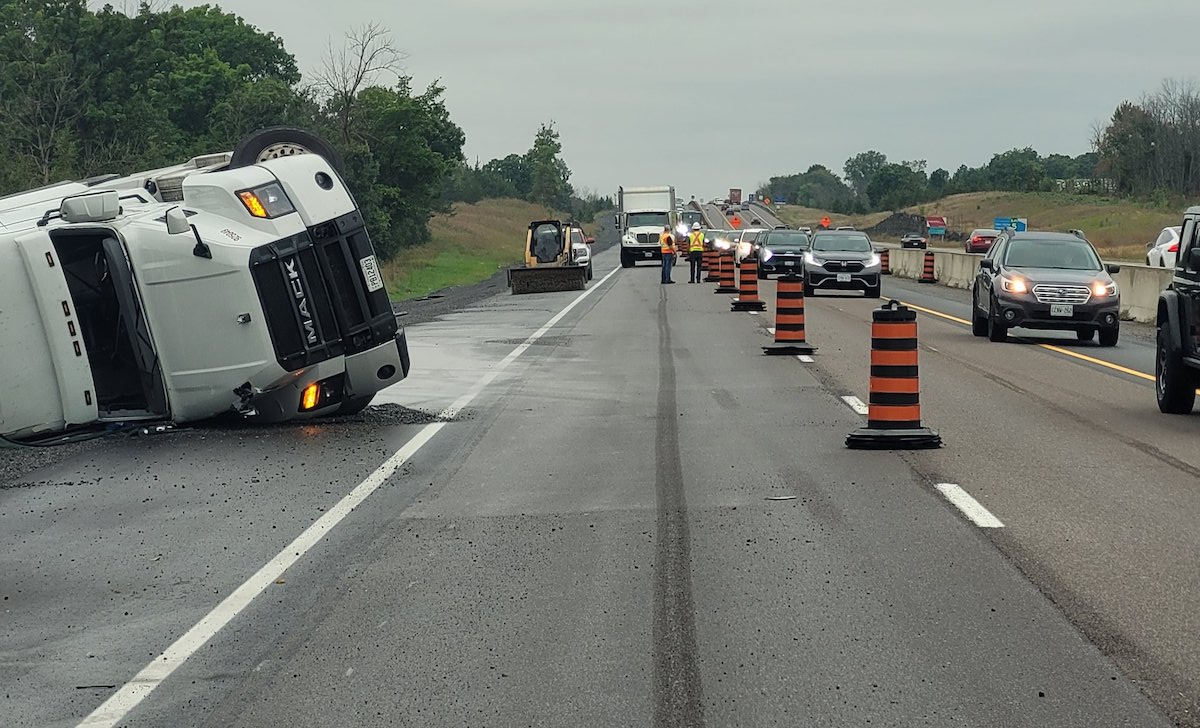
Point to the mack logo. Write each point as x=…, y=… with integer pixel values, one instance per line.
x=306, y=319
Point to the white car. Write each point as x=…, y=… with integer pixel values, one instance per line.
x=745, y=244
x=1163, y=250
x=581, y=249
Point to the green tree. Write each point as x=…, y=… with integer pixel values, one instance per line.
x=939, y=180
x=1018, y=170
x=861, y=168
x=896, y=186
x=549, y=175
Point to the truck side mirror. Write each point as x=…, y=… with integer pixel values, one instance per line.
x=590, y=241
x=617, y=221
x=177, y=221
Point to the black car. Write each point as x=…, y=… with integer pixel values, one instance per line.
x=781, y=251
x=1043, y=280
x=913, y=240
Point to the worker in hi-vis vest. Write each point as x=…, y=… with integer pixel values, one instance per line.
x=666, y=243
x=695, y=252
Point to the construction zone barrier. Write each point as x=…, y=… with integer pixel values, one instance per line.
x=726, y=282
x=927, y=275
x=712, y=263
x=790, y=336
x=894, y=409
x=885, y=262
x=748, y=299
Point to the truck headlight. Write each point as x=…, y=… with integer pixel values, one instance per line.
x=267, y=201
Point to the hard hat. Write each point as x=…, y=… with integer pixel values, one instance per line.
x=695, y=226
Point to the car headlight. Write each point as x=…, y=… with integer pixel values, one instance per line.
x=810, y=259
x=873, y=260
x=767, y=254
x=1100, y=289
x=1014, y=285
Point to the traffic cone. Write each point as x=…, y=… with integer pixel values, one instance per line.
x=894, y=410
x=725, y=281
x=885, y=262
x=748, y=299
x=927, y=270
x=713, y=266
x=789, y=318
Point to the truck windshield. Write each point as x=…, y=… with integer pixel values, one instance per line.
x=648, y=219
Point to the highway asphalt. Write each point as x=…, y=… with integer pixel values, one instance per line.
x=612, y=509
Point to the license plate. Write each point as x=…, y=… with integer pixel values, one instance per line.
x=648, y=254
x=843, y=277
x=789, y=263
x=371, y=275
x=1062, y=310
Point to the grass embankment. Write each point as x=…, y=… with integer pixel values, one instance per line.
x=468, y=246
x=1119, y=228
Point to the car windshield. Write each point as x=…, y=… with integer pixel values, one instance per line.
x=1044, y=253
x=842, y=243
x=782, y=242
x=693, y=216
x=648, y=219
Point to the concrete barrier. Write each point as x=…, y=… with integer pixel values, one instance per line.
x=1139, y=284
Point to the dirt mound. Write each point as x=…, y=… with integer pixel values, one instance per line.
x=899, y=223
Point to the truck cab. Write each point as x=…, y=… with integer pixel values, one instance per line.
x=642, y=214
x=218, y=286
x=1177, y=361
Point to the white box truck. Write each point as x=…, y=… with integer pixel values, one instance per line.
x=642, y=213
x=239, y=282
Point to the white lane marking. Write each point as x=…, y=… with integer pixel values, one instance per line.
x=771, y=330
x=856, y=404
x=805, y=358
x=970, y=507
x=132, y=693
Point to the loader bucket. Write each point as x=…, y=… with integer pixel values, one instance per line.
x=547, y=279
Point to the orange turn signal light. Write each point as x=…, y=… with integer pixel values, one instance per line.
x=310, y=397
x=253, y=205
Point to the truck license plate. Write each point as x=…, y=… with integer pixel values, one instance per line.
x=371, y=275
x=648, y=253
x=1062, y=310
x=843, y=277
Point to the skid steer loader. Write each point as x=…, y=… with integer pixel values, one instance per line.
x=549, y=262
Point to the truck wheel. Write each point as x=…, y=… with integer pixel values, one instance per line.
x=276, y=142
x=589, y=275
x=1174, y=383
x=626, y=262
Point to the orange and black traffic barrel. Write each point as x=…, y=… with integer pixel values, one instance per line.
x=885, y=262
x=725, y=280
x=894, y=409
x=713, y=266
x=748, y=299
x=790, y=336
x=927, y=269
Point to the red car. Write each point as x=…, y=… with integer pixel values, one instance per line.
x=980, y=241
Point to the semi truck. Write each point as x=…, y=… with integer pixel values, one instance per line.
x=642, y=213
x=735, y=196
x=239, y=282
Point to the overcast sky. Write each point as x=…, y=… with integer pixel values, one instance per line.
x=707, y=95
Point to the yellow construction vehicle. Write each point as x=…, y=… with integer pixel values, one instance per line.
x=550, y=262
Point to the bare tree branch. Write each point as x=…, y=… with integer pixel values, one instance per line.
x=368, y=53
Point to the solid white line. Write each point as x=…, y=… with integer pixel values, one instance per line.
x=856, y=404
x=970, y=507
x=805, y=358
x=120, y=703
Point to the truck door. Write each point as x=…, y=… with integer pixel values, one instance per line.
x=1187, y=284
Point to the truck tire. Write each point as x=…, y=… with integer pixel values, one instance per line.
x=626, y=261
x=282, y=141
x=589, y=274
x=1174, y=382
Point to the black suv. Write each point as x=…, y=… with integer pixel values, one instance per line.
x=1177, y=364
x=1043, y=280
x=781, y=251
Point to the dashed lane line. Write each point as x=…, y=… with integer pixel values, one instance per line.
x=970, y=507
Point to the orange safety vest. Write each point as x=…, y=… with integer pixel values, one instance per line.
x=696, y=242
x=667, y=243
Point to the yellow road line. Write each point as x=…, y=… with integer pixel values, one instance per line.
x=1048, y=347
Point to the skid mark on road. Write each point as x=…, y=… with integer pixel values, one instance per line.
x=677, y=694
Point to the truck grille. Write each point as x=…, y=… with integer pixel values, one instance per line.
x=1062, y=294
x=644, y=238
x=315, y=300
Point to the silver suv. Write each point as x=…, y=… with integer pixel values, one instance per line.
x=841, y=260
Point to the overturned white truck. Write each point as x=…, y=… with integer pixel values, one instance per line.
x=237, y=282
